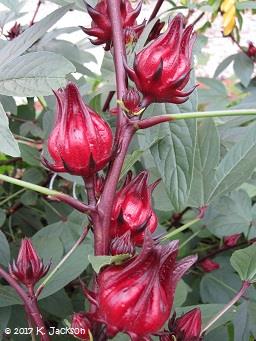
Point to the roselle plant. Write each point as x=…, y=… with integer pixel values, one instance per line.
x=126, y=213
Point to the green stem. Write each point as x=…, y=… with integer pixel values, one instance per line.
x=58, y=266
x=180, y=229
x=49, y=192
x=12, y=196
x=149, y=122
x=236, y=298
x=205, y=114
x=189, y=239
x=28, y=185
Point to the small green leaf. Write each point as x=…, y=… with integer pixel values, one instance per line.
x=243, y=261
x=130, y=160
x=98, y=262
x=8, y=144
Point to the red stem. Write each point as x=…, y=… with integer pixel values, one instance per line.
x=30, y=303
x=152, y=121
x=108, y=100
x=123, y=136
x=155, y=10
x=78, y=205
x=119, y=56
x=102, y=223
x=39, y=3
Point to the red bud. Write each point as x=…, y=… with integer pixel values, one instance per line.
x=28, y=268
x=81, y=326
x=131, y=101
x=208, y=265
x=81, y=140
x=136, y=297
x=162, y=69
x=14, y=32
x=132, y=210
x=185, y=328
x=232, y=239
x=251, y=51
x=101, y=24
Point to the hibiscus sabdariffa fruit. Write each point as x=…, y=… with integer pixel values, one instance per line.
x=162, y=69
x=132, y=209
x=81, y=141
x=136, y=297
x=101, y=27
x=28, y=268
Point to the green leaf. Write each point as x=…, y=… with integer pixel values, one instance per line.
x=8, y=144
x=206, y=160
x=130, y=160
x=8, y=296
x=236, y=166
x=223, y=65
x=5, y=314
x=34, y=74
x=4, y=250
x=70, y=270
x=30, y=155
x=18, y=46
x=99, y=262
x=174, y=154
x=181, y=293
x=243, y=261
x=243, y=67
x=213, y=95
x=2, y=216
x=229, y=214
x=58, y=304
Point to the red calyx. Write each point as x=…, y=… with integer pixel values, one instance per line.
x=162, y=69
x=81, y=141
x=131, y=100
x=232, y=239
x=251, y=51
x=185, y=328
x=14, y=32
x=136, y=297
x=208, y=265
x=101, y=26
x=132, y=209
x=81, y=326
x=122, y=245
x=28, y=268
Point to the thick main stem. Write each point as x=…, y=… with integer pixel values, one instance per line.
x=119, y=56
x=102, y=223
x=123, y=136
x=240, y=293
x=30, y=304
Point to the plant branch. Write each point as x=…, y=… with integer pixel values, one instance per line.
x=10, y=161
x=49, y=192
x=156, y=10
x=89, y=185
x=108, y=100
x=30, y=304
x=105, y=205
x=39, y=3
x=180, y=229
x=198, y=19
x=119, y=56
x=240, y=293
x=57, y=267
x=152, y=121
